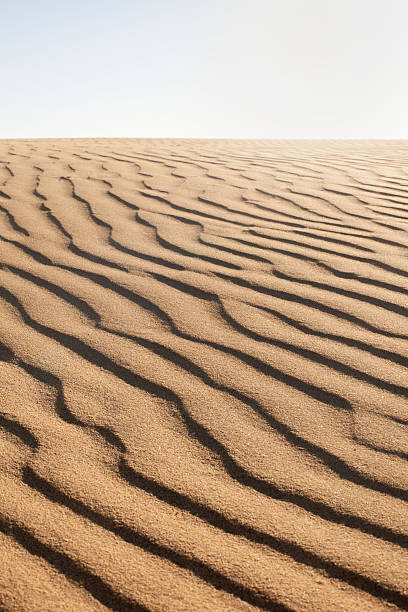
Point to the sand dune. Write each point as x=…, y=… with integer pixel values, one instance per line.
x=203, y=366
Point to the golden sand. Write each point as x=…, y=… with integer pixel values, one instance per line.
x=203, y=374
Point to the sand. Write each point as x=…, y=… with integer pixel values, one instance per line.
x=203, y=374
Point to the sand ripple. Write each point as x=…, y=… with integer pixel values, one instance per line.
x=203, y=366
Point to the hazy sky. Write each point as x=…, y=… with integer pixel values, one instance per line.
x=204, y=68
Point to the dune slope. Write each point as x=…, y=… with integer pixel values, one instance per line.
x=203, y=374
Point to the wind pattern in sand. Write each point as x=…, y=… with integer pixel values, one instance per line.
x=204, y=350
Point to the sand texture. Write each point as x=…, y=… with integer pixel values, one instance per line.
x=203, y=374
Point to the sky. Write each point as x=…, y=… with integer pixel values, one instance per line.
x=204, y=68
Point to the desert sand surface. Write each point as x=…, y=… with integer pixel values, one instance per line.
x=203, y=373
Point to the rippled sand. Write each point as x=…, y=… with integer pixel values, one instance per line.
x=203, y=370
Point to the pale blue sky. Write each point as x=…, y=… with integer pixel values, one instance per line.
x=204, y=68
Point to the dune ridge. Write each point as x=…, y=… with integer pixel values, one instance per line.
x=203, y=365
